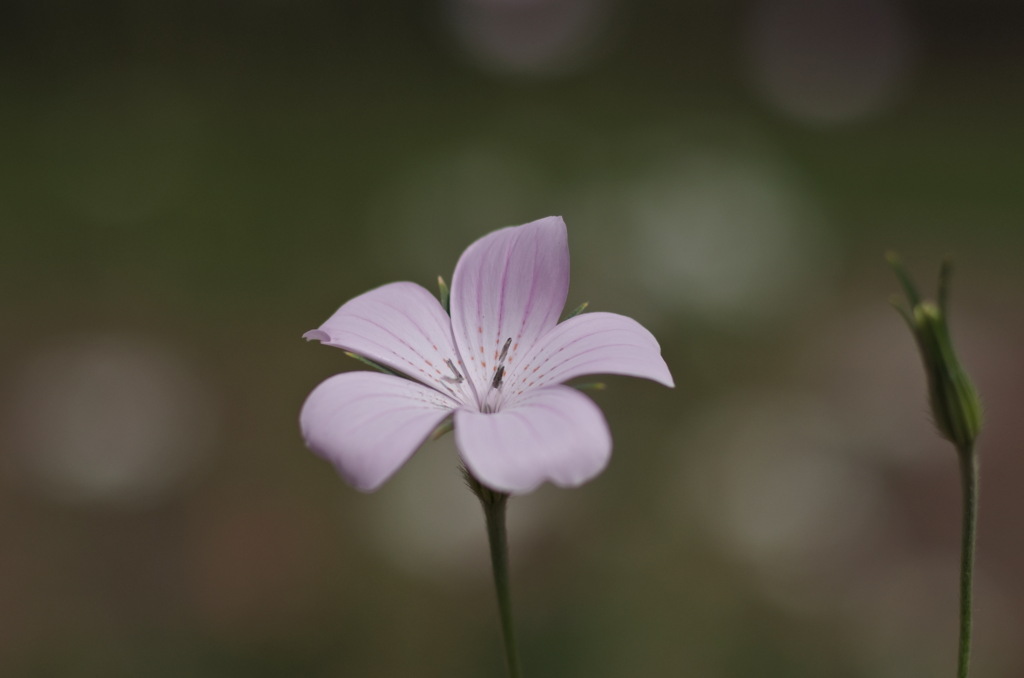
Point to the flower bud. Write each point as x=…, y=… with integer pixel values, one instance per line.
x=955, y=406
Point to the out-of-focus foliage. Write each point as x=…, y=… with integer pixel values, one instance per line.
x=186, y=187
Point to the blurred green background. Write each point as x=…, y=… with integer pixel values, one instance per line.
x=185, y=188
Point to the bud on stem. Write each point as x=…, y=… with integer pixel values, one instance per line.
x=957, y=412
x=954, y=402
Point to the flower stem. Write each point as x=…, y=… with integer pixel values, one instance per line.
x=495, y=514
x=494, y=504
x=969, y=481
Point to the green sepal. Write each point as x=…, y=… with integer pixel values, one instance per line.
x=446, y=426
x=579, y=309
x=444, y=295
x=370, y=363
x=486, y=495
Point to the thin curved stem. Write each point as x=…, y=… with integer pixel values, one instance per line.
x=969, y=481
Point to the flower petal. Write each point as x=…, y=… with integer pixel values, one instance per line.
x=368, y=424
x=591, y=343
x=552, y=434
x=401, y=326
x=513, y=284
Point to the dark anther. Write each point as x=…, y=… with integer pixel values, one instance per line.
x=457, y=379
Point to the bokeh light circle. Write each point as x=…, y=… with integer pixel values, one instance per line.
x=111, y=418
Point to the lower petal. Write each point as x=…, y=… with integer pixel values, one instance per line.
x=554, y=434
x=369, y=424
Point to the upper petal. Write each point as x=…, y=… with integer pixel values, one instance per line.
x=591, y=343
x=513, y=284
x=368, y=424
x=552, y=434
x=401, y=326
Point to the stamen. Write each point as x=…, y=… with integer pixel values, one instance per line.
x=492, y=399
x=499, y=371
x=457, y=379
x=504, y=350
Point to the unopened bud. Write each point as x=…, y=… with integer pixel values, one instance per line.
x=954, y=402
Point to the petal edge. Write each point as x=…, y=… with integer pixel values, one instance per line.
x=402, y=327
x=511, y=283
x=553, y=434
x=591, y=343
x=368, y=424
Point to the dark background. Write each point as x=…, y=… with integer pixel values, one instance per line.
x=185, y=188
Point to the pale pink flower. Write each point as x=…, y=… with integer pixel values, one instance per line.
x=497, y=364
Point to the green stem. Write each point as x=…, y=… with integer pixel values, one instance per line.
x=494, y=511
x=969, y=481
